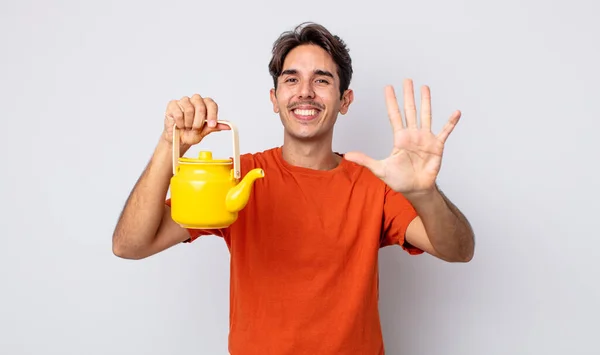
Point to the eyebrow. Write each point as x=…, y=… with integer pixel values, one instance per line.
x=316, y=71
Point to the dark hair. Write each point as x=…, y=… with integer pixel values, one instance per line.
x=312, y=33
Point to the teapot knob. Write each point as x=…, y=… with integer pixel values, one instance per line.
x=204, y=155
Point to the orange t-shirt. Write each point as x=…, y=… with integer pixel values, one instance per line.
x=304, y=258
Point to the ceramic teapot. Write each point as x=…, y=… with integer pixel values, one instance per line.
x=208, y=193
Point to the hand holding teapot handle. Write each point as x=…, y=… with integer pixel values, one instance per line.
x=190, y=114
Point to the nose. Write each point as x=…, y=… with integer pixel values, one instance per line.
x=305, y=90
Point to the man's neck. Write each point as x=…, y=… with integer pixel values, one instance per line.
x=317, y=155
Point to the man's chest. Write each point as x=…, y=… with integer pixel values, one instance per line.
x=308, y=224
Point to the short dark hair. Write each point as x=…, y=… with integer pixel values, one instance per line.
x=312, y=33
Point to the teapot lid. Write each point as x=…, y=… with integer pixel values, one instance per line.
x=204, y=157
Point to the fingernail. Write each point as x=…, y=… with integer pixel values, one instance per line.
x=212, y=124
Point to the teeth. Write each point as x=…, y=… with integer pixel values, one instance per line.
x=305, y=112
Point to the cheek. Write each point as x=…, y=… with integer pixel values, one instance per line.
x=279, y=105
x=330, y=102
x=326, y=95
x=283, y=99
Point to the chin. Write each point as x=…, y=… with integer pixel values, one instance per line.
x=303, y=136
x=304, y=132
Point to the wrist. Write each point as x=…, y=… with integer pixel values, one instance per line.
x=167, y=146
x=422, y=197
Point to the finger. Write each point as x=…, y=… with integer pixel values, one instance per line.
x=392, y=108
x=223, y=127
x=425, y=108
x=199, y=111
x=359, y=158
x=191, y=136
x=410, y=109
x=206, y=130
x=175, y=113
x=449, y=127
x=212, y=111
x=188, y=111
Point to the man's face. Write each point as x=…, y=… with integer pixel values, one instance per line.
x=308, y=97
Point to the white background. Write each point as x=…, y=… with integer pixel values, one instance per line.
x=83, y=89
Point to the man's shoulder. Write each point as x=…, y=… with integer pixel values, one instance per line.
x=259, y=154
x=262, y=158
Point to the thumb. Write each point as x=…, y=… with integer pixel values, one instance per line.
x=362, y=159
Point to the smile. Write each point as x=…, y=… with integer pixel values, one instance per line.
x=306, y=114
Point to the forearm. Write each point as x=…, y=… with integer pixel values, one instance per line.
x=142, y=214
x=449, y=231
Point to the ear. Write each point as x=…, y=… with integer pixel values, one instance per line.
x=273, y=96
x=347, y=99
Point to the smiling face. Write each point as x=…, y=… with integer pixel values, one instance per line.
x=308, y=94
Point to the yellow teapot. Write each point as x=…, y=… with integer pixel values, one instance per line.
x=207, y=193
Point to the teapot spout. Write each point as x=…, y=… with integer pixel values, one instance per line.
x=238, y=196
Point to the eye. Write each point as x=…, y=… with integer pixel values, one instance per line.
x=290, y=80
x=322, y=81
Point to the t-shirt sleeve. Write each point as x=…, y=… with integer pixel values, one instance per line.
x=196, y=233
x=398, y=212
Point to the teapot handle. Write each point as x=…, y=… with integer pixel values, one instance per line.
x=236, y=148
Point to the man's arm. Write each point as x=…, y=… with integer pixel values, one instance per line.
x=412, y=169
x=145, y=226
x=441, y=229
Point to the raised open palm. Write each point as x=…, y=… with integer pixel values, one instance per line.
x=416, y=158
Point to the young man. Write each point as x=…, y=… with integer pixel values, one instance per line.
x=304, y=270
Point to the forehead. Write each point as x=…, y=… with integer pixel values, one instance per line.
x=308, y=58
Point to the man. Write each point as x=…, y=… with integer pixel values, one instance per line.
x=304, y=270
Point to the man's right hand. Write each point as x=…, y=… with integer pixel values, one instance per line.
x=195, y=117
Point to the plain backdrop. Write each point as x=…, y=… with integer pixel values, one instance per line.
x=83, y=89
